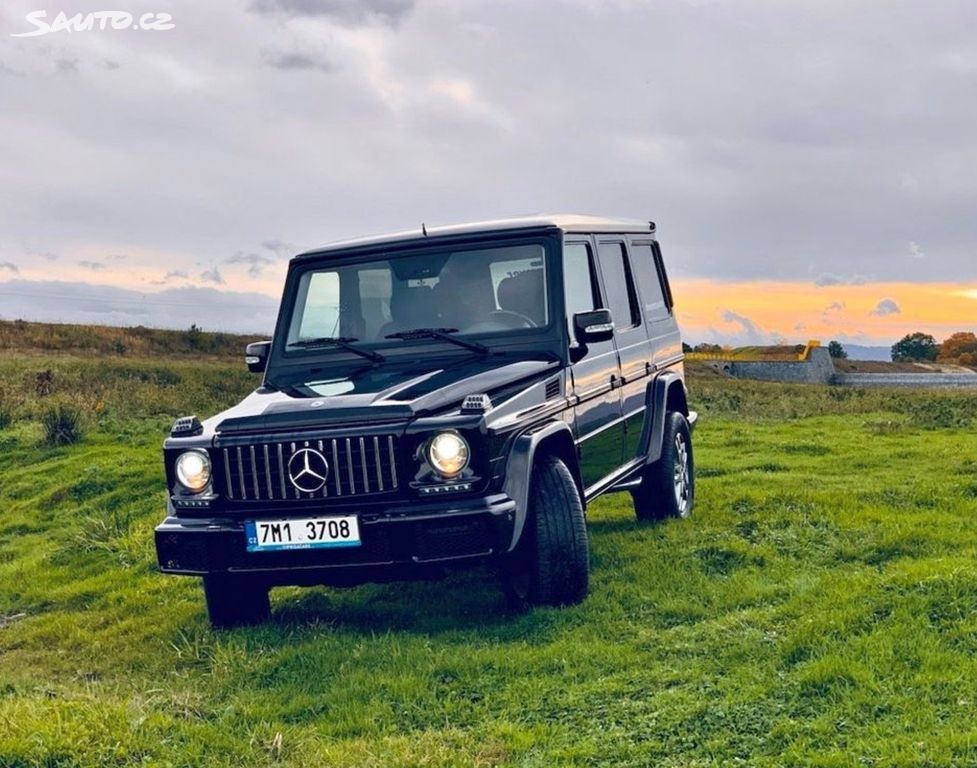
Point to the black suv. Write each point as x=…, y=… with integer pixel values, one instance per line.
x=438, y=397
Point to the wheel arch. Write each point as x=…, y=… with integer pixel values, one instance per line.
x=551, y=439
x=666, y=393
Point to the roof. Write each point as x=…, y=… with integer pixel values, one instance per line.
x=564, y=222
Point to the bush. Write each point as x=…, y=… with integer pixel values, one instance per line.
x=63, y=423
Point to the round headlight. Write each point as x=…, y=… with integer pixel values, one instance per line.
x=193, y=470
x=448, y=453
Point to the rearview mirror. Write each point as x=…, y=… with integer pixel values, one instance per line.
x=256, y=356
x=597, y=325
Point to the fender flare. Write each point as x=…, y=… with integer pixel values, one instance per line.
x=656, y=405
x=519, y=469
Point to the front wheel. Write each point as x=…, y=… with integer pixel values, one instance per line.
x=235, y=599
x=667, y=487
x=551, y=563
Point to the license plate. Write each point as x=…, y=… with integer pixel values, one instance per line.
x=311, y=533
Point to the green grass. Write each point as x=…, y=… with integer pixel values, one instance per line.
x=818, y=608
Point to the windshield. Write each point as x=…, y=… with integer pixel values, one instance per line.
x=465, y=292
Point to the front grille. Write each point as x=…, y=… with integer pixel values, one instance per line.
x=358, y=466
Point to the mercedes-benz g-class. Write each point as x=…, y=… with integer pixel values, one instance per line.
x=440, y=397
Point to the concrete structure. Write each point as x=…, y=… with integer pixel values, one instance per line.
x=817, y=369
x=928, y=380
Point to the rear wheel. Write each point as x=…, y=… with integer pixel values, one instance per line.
x=551, y=563
x=667, y=487
x=235, y=599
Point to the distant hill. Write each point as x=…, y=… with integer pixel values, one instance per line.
x=859, y=352
x=22, y=336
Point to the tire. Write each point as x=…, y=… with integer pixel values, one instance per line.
x=667, y=487
x=234, y=600
x=551, y=563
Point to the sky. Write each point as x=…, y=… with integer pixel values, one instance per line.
x=812, y=167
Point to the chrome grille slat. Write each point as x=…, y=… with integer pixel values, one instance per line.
x=227, y=473
x=240, y=469
x=376, y=453
x=393, y=460
x=366, y=475
x=254, y=474
x=271, y=493
x=335, y=468
x=325, y=485
x=358, y=466
x=349, y=466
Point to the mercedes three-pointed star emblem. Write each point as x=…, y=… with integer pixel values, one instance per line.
x=308, y=470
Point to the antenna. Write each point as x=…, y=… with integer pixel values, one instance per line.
x=423, y=229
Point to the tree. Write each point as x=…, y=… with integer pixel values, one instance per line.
x=958, y=346
x=836, y=350
x=915, y=347
x=686, y=347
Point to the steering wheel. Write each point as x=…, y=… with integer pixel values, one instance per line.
x=501, y=319
x=512, y=319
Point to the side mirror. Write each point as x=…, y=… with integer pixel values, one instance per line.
x=256, y=356
x=594, y=326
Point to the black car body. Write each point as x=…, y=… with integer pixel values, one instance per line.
x=456, y=396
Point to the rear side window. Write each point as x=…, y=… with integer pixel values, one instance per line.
x=579, y=279
x=649, y=281
x=622, y=299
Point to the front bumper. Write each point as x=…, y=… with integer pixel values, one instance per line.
x=395, y=543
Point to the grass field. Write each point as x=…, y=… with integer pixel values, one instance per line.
x=817, y=609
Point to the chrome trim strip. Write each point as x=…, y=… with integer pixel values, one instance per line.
x=271, y=492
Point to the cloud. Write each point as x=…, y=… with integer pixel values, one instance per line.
x=256, y=261
x=10, y=267
x=66, y=66
x=111, y=65
x=297, y=61
x=835, y=306
x=212, y=276
x=827, y=279
x=885, y=308
x=176, y=274
x=9, y=71
x=78, y=302
x=753, y=334
x=915, y=252
x=279, y=247
x=94, y=266
x=344, y=11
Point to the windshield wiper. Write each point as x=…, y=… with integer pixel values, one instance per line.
x=442, y=334
x=343, y=342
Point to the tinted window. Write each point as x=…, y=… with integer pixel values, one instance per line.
x=618, y=285
x=579, y=284
x=649, y=282
x=479, y=290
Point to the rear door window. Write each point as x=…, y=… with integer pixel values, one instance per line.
x=649, y=281
x=622, y=298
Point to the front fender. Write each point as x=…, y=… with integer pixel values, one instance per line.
x=519, y=467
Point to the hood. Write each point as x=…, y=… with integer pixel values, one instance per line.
x=375, y=394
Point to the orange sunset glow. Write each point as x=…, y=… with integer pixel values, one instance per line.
x=872, y=313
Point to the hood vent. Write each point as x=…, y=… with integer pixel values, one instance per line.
x=476, y=404
x=552, y=389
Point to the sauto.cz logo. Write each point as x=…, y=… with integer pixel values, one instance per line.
x=308, y=469
x=95, y=21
